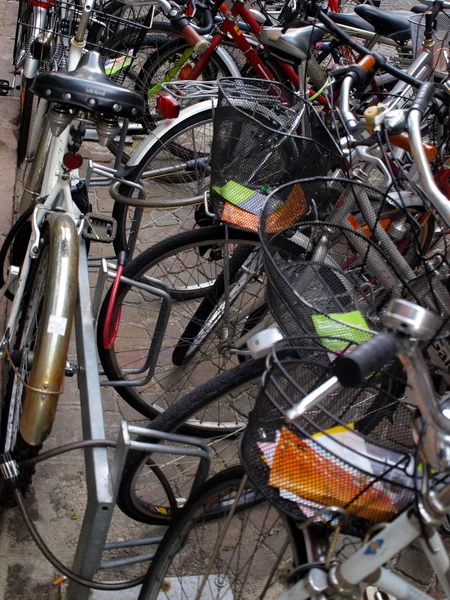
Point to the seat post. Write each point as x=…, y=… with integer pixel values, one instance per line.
x=302, y=76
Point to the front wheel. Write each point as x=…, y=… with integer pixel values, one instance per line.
x=229, y=542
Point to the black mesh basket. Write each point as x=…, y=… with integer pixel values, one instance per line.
x=334, y=276
x=354, y=450
x=113, y=35
x=264, y=135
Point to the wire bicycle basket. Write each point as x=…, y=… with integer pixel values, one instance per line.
x=264, y=134
x=441, y=38
x=117, y=39
x=333, y=275
x=355, y=450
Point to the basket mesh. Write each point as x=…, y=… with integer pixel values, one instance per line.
x=334, y=276
x=264, y=134
x=352, y=451
x=441, y=37
x=117, y=39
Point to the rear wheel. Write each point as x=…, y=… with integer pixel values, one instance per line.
x=173, y=169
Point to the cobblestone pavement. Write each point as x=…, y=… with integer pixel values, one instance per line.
x=57, y=498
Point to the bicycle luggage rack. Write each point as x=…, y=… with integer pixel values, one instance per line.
x=103, y=481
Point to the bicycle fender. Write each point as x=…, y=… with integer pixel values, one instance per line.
x=53, y=336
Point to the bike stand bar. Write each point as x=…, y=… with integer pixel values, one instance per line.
x=97, y=534
x=129, y=560
x=100, y=501
x=154, y=287
x=133, y=543
x=124, y=444
x=98, y=294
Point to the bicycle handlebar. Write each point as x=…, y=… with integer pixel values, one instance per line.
x=352, y=368
x=192, y=34
x=437, y=198
x=431, y=2
x=380, y=60
x=423, y=98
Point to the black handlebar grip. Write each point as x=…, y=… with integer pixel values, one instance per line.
x=353, y=367
x=207, y=23
x=423, y=97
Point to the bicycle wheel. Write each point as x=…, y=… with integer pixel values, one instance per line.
x=171, y=57
x=227, y=543
x=173, y=168
x=188, y=264
x=24, y=343
x=211, y=310
x=224, y=402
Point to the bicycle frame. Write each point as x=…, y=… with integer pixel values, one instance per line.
x=366, y=565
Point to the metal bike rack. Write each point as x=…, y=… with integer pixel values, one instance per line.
x=103, y=480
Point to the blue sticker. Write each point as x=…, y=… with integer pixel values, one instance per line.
x=373, y=547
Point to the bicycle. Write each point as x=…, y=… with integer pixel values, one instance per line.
x=204, y=544
x=129, y=498
x=42, y=43
x=38, y=330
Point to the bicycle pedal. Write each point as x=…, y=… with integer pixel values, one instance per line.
x=99, y=228
x=5, y=87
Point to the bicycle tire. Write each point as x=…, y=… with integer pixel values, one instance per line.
x=25, y=114
x=162, y=40
x=177, y=418
x=206, y=238
x=121, y=211
x=211, y=510
x=30, y=305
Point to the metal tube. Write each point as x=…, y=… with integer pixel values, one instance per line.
x=37, y=169
x=423, y=390
x=347, y=116
x=133, y=543
x=437, y=198
x=55, y=325
x=312, y=399
x=81, y=33
x=128, y=560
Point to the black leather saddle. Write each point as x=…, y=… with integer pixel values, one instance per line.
x=351, y=20
x=298, y=42
x=89, y=88
x=391, y=24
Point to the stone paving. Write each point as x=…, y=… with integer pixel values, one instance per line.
x=57, y=497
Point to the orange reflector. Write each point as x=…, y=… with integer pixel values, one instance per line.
x=353, y=222
x=185, y=72
x=384, y=224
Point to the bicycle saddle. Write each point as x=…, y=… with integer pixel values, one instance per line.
x=295, y=42
x=351, y=20
x=89, y=88
x=391, y=24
